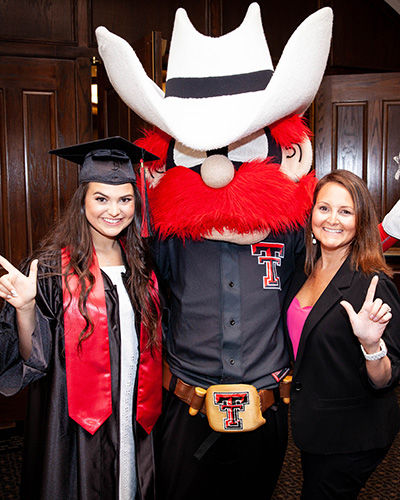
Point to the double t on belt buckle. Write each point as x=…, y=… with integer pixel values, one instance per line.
x=229, y=407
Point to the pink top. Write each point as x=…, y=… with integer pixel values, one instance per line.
x=296, y=317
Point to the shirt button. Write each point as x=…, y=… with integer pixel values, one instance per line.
x=232, y=361
x=297, y=386
x=231, y=284
x=232, y=322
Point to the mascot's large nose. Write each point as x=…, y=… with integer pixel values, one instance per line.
x=217, y=171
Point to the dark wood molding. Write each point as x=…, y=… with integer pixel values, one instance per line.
x=214, y=17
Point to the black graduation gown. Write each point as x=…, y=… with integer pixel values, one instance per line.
x=61, y=460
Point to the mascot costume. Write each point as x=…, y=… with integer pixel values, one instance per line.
x=227, y=199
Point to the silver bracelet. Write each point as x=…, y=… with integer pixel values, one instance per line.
x=377, y=355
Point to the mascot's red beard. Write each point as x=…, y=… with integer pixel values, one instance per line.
x=259, y=198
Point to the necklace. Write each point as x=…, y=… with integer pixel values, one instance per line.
x=110, y=258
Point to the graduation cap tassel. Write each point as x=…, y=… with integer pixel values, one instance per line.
x=146, y=230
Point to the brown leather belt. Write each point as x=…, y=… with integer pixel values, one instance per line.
x=187, y=393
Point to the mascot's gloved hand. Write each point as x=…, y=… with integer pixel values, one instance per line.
x=391, y=222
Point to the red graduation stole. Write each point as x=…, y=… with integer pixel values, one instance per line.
x=89, y=372
x=149, y=388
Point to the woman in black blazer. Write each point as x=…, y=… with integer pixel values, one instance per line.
x=345, y=342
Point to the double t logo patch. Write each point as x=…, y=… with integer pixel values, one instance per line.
x=270, y=255
x=233, y=408
x=232, y=403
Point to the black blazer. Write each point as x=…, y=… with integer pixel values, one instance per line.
x=334, y=406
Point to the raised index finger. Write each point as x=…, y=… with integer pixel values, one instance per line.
x=7, y=265
x=372, y=289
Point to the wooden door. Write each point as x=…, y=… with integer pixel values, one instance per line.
x=357, y=123
x=37, y=113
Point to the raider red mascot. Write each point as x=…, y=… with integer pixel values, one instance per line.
x=228, y=199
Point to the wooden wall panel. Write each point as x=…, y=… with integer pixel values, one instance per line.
x=357, y=119
x=15, y=235
x=133, y=20
x=39, y=114
x=348, y=142
x=279, y=19
x=41, y=184
x=2, y=173
x=36, y=20
x=375, y=168
x=391, y=149
x=365, y=32
x=365, y=35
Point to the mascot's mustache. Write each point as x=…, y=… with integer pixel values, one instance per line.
x=259, y=198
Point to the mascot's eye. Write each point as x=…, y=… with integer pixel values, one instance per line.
x=178, y=154
x=255, y=146
x=259, y=145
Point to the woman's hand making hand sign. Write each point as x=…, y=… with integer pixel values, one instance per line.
x=20, y=291
x=16, y=288
x=368, y=325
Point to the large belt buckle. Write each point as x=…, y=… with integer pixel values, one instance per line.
x=233, y=408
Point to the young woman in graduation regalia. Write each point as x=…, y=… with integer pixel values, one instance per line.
x=82, y=328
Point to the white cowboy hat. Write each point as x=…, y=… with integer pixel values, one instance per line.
x=219, y=90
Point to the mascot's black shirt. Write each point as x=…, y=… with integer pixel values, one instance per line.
x=224, y=311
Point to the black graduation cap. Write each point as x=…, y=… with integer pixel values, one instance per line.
x=109, y=161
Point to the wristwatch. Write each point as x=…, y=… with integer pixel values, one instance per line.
x=377, y=355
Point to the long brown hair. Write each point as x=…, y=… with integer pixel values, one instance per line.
x=366, y=247
x=73, y=232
